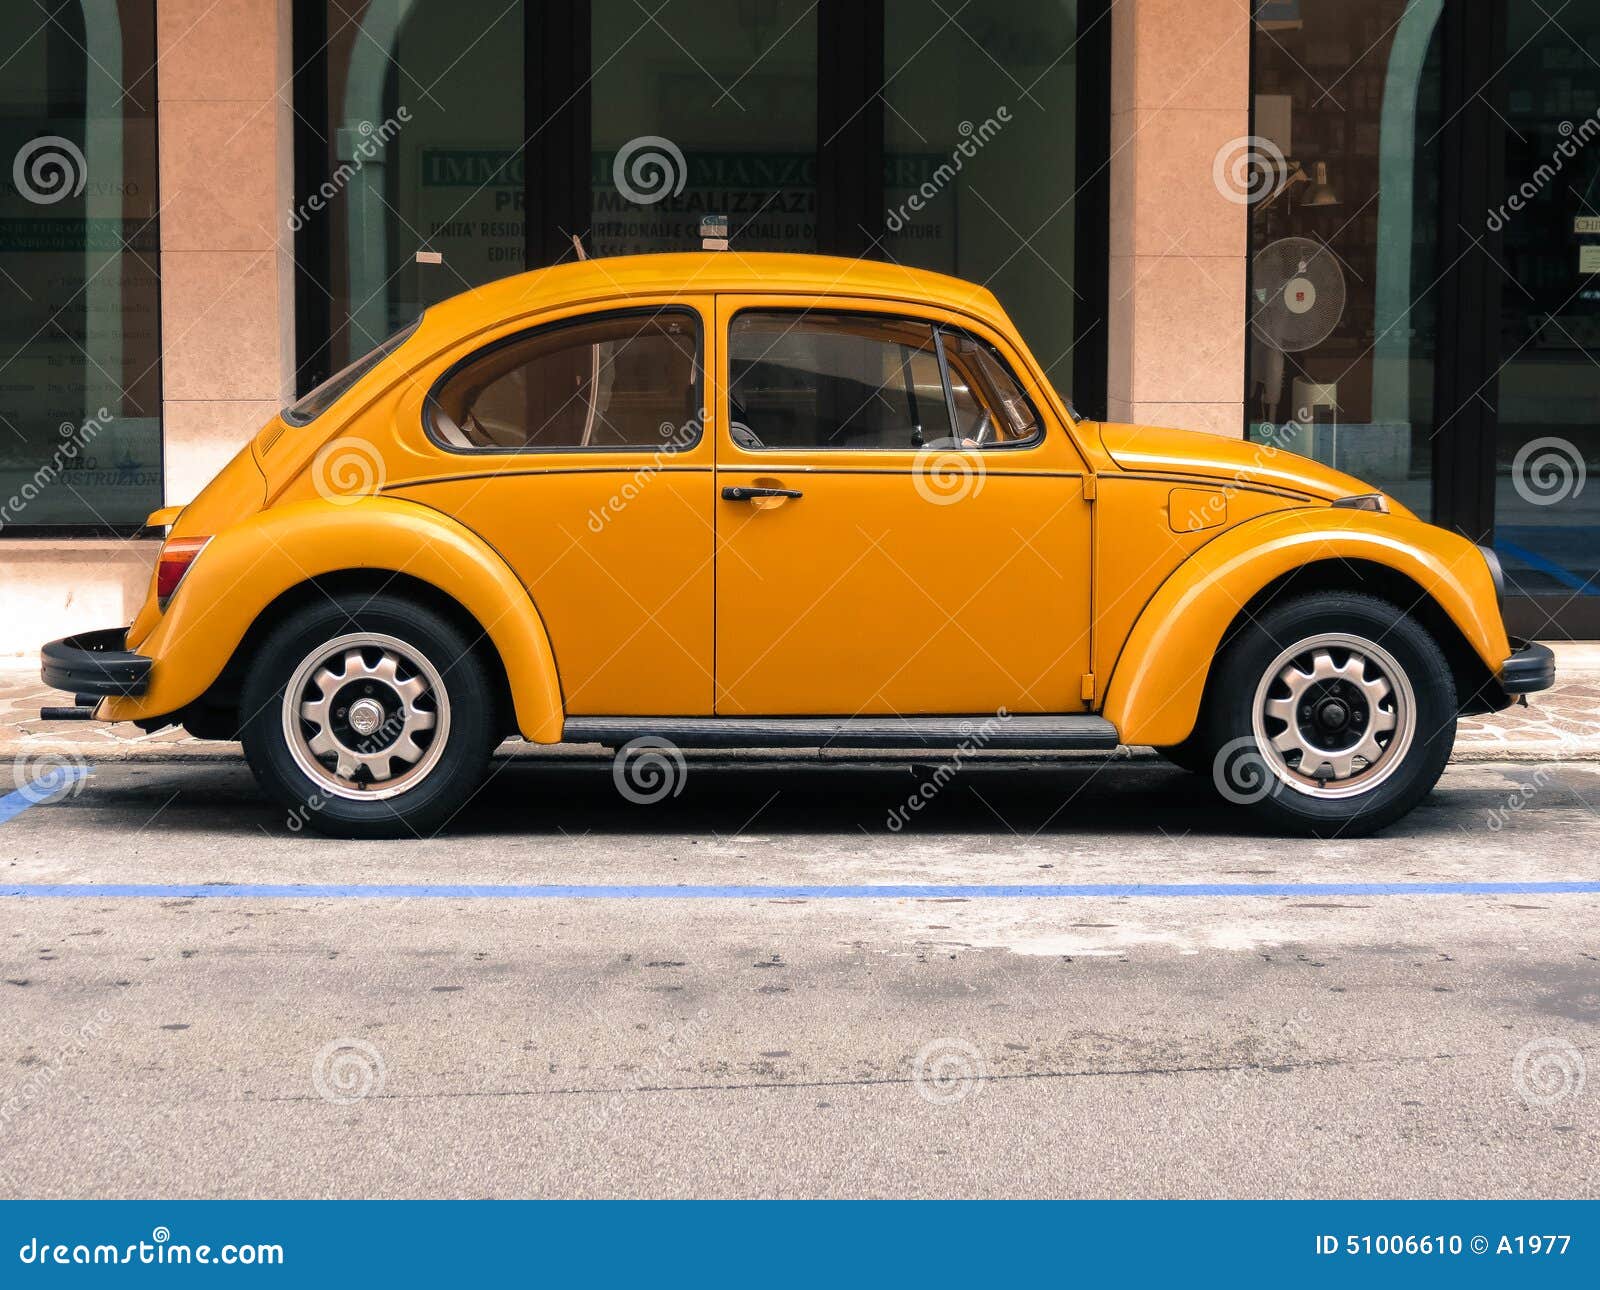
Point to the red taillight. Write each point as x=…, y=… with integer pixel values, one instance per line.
x=177, y=554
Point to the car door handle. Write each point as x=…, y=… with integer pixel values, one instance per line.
x=739, y=493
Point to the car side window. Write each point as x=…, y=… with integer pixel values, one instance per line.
x=617, y=381
x=990, y=407
x=834, y=380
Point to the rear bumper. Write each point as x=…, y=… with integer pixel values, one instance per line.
x=95, y=663
x=1531, y=668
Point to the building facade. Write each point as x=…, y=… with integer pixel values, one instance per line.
x=1365, y=230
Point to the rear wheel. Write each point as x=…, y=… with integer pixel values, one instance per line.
x=1192, y=755
x=368, y=717
x=1334, y=715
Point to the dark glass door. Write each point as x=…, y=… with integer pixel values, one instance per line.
x=1345, y=238
x=1425, y=271
x=1547, y=438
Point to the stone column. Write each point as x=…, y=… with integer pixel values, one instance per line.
x=1180, y=91
x=227, y=255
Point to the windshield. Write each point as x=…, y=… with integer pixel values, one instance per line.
x=313, y=405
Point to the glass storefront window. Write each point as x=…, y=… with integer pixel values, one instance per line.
x=640, y=122
x=425, y=142
x=1343, y=192
x=1425, y=271
x=710, y=110
x=80, y=359
x=980, y=159
x=1547, y=450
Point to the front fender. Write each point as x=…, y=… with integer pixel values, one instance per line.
x=1155, y=690
x=250, y=564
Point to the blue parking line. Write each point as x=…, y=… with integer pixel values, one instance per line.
x=39, y=790
x=885, y=891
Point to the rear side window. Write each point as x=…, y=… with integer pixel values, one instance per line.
x=616, y=381
x=324, y=396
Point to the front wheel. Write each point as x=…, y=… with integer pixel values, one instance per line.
x=1335, y=714
x=368, y=717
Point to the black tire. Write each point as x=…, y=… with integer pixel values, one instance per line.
x=467, y=731
x=1244, y=772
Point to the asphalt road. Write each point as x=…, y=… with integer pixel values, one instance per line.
x=1305, y=1044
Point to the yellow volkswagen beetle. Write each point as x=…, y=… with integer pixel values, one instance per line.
x=784, y=501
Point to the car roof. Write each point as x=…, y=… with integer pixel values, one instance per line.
x=622, y=276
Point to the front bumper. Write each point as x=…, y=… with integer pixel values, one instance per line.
x=95, y=663
x=1531, y=668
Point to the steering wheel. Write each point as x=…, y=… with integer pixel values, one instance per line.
x=743, y=435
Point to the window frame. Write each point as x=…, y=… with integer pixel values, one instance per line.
x=67, y=114
x=938, y=328
x=367, y=364
x=432, y=411
x=1038, y=435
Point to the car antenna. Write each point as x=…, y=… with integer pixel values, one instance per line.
x=577, y=245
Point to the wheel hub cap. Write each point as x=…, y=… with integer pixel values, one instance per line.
x=1334, y=715
x=366, y=716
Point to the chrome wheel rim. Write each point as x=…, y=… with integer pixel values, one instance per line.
x=1334, y=715
x=366, y=716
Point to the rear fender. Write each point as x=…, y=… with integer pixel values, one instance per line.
x=248, y=565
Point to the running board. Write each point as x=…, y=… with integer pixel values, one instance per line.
x=1057, y=733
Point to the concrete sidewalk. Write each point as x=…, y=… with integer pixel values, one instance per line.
x=1562, y=724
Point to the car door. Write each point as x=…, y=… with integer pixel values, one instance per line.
x=576, y=448
x=901, y=523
